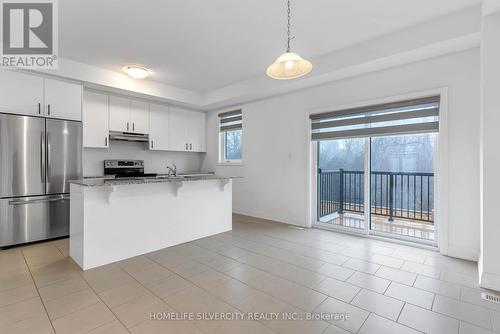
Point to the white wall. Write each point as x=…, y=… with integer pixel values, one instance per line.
x=154, y=161
x=489, y=264
x=275, y=144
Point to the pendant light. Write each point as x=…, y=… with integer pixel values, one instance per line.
x=289, y=65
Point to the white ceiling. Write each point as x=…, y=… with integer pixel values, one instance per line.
x=204, y=45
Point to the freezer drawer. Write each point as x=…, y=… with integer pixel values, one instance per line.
x=26, y=219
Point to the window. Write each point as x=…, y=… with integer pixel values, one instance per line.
x=231, y=135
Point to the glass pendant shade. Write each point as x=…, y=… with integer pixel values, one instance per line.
x=289, y=66
x=136, y=71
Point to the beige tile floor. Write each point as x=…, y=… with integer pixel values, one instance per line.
x=259, y=267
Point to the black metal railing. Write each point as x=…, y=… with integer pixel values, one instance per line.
x=393, y=194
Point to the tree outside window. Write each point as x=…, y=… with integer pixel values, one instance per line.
x=232, y=145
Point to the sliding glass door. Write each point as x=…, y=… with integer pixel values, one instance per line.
x=376, y=169
x=402, y=185
x=340, y=192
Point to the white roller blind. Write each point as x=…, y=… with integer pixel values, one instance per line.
x=405, y=117
x=231, y=120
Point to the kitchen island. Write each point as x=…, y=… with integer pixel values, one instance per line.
x=115, y=219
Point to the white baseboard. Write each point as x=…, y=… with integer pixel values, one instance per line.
x=489, y=281
x=279, y=219
x=469, y=254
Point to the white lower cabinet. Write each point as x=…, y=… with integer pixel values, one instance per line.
x=158, y=127
x=95, y=120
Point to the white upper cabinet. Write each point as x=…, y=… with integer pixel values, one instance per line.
x=63, y=100
x=169, y=128
x=187, y=131
x=139, y=117
x=28, y=94
x=158, y=127
x=128, y=116
x=177, y=130
x=119, y=114
x=197, y=132
x=21, y=93
x=95, y=120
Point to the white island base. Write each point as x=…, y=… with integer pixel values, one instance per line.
x=110, y=223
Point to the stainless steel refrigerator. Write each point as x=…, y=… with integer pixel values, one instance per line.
x=38, y=157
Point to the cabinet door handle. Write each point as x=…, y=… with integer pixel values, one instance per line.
x=152, y=144
x=39, y=108
x=127, y=126
x=133, y=126
x=186, y=146
x=48, y=109
x=191, y=146
x=106, y=141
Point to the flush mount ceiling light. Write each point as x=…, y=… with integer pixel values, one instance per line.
x=289, y=65
x=136, y=71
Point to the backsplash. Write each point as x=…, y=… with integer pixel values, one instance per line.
x=154, y=161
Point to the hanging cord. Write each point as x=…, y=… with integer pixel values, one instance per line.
x=288, y=29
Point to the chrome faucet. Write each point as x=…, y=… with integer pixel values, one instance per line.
x=172, y=171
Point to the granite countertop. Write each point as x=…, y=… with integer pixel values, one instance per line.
x=106, y=182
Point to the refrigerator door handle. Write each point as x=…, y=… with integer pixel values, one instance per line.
x=47, y=142
x=42, y=156
x=42, y=200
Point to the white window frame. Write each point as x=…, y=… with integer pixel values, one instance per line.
x=222, y=148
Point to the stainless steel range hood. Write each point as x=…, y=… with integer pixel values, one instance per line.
x=127, y=136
